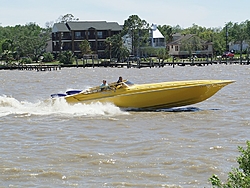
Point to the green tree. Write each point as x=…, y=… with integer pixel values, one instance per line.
x=26, y=41
x=218, y=40
x=48, y=57
x=239, y=34
x=115, y=48
x=191, y=44
x=33, y=41
x=167, y=32
x=162, y=54
x=7, y=56
x=138, y=30
x=177, y=29
x=85, y=47
x=66, y=57
x=247, y=22
x=195, y=29
x=108, y=49
x=66, y=18
x=238, y=177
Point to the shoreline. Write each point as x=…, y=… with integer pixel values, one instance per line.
x=49, y=67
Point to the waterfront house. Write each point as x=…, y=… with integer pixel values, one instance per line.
x=237, y=46
x=68, y=36
x=157, y=40
x=184, y=45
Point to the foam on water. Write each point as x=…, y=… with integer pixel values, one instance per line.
x=58, y=106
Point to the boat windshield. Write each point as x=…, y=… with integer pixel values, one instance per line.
x=110, y=87
x=127, y=82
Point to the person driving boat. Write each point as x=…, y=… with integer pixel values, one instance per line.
x=120, y=79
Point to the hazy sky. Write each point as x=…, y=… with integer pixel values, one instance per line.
x=213, y=13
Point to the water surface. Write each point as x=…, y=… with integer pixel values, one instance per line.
x=47, y=143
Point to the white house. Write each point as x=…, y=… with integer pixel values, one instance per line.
x=157, y=40
x=236, y=46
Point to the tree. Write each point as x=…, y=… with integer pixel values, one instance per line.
x=66, y=18
x=247, y=22
x=238, y=177
x=162, y=54
x=32, y=41
x=191, y=45
x=115, y=48
x=166, y=31
x=239, y=33
x=25, y=41
x=66, y=57
x=48, y=57
x=108, y=49
x=85, y=47
x=218, y=43
x=177, y=29
x=7, y=56
x=138, y=30
x=195, y=29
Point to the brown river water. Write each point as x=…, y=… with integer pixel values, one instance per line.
x=47, y=143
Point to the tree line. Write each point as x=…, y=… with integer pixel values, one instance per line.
x=27, y=43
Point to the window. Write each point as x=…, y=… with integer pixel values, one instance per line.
x=77, y=35
x=176, y=48
x=99, y=34
x=101, y=45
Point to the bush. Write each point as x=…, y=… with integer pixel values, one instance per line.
x=238, y=177
x=26, y=60
x=66, y=57
x=48, y=57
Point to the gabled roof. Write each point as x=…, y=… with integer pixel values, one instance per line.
x=60, y=27
x=157, y=34
x=180, y=39
x=85, y=25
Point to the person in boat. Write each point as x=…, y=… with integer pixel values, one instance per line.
x=119, y=79
x=104, y=85
x=119, y=83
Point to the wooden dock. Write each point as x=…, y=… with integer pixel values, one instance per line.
x=39, y=67
x=144, y=64
x=30, y=67
x=128, y=64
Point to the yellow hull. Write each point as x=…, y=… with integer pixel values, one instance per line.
x=156, y=95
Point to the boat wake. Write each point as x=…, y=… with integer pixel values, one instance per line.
x=12, y=106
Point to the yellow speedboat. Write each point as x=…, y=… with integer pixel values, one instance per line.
x=150, y=96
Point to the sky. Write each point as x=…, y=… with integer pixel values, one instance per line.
x=185, y=13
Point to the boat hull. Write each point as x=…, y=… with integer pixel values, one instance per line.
x=157, y=95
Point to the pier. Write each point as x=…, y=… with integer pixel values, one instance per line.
x=31, y=67
x=128, y=64
x=145, y=64
x=42, y=67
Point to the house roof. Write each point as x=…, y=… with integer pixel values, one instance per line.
x=157, y=34
x=85, y=25
x=180, y=39
x=60, y=27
